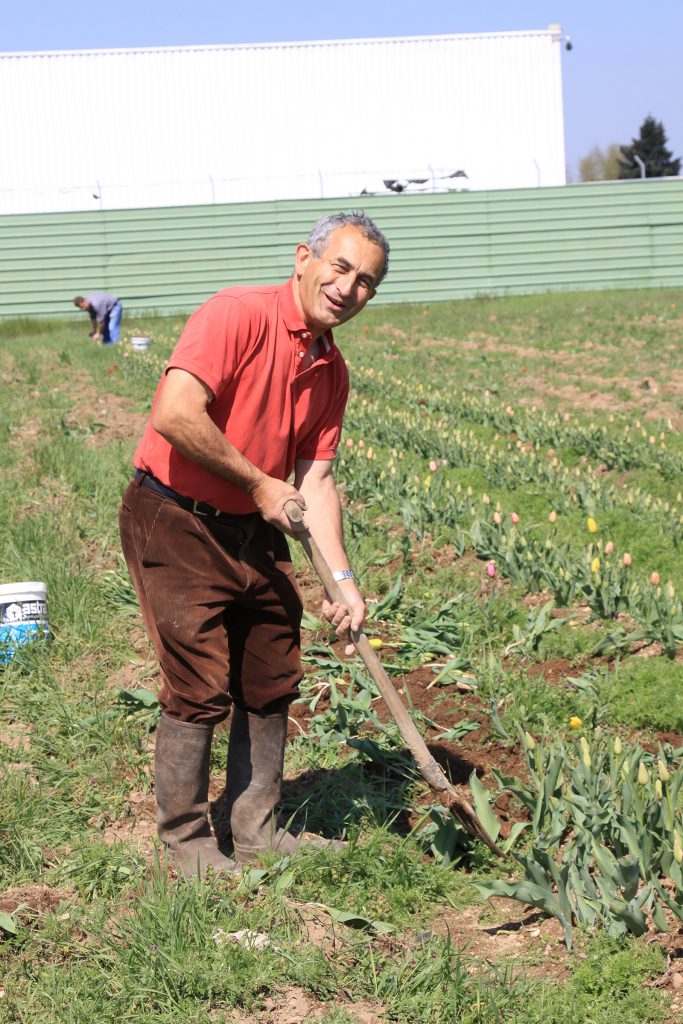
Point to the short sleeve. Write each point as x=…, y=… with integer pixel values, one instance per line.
x=321, y=439
x=213, y=342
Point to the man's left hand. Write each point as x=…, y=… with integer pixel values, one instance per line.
x=349, y=616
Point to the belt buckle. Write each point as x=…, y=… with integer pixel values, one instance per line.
x=213, y=512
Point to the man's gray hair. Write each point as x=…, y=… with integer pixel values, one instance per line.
x=323, y=228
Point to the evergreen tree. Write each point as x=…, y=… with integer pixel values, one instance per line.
x=650, y=146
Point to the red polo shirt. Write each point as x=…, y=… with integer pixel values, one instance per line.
x=246, y=344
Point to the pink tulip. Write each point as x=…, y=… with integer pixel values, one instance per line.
x=433, y=466
x=491, y=569
x=609, y=547
x=627, y=559
x=654, y=579
x=497, y=518
x=514, y=518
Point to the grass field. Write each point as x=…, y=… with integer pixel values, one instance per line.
x=512, y=477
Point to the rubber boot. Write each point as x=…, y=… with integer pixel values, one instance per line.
x=256, y=757
x=181, y=776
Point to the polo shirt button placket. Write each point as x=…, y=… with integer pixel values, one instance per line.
x=303, y=336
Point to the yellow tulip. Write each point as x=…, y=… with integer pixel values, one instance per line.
x=592, y=525
x=376, y=643
x=658, y=789
x=595, y=565
x=575, y=722
x=678, y=847
x=643, y=774
x=663, y=770
x=530, y=741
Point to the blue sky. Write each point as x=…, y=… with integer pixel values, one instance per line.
x=625, y=62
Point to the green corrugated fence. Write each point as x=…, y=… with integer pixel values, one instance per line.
x=608, y=235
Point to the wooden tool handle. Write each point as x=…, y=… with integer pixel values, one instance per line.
x=427, y=766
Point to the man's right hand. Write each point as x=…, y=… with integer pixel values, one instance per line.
x=270, y=497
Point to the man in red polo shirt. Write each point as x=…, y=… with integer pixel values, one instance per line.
x=254, y=390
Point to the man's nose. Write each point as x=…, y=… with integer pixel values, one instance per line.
x=345, y=283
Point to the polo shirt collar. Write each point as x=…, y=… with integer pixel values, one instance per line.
x=293, y=320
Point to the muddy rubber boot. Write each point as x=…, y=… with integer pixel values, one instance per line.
x=256, y=757
x=181, y=780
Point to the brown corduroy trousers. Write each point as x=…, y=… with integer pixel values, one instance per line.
x=220, y=602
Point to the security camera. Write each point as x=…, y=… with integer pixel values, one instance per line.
x=568, y=44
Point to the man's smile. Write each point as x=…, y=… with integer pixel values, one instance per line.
x=336, y=304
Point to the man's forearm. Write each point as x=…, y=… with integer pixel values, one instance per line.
x=200, y=441
x=180, y=416
x=324, y=519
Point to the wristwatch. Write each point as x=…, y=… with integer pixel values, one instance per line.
x=342, y=574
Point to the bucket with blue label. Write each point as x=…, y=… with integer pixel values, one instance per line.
x=23, y=616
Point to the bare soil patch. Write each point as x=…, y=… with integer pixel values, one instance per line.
x=295, y=1006
x=105, y=418
x=506, y=930
x=32, y=900
x=136, y=674
x=645, y=397
x=138, y=827
x=17, y=736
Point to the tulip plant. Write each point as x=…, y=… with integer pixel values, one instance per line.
x=597, y=575
x=606, y=824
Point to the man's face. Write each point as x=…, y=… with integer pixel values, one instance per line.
x=333, y=287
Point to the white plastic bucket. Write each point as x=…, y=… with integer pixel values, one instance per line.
x=23, y=615
x=139, y=343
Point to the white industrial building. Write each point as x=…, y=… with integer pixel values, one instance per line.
x=108, y=129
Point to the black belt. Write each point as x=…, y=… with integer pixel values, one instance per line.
x=198, y=508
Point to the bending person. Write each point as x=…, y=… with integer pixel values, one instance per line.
x=105, y=313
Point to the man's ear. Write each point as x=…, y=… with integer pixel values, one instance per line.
x=303, y=257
